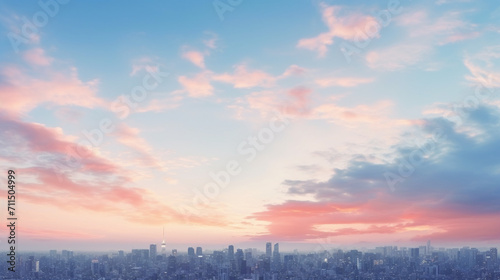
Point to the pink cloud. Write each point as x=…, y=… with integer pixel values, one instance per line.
x=161, y=104
x=195, y=57
x=211, y=42
x=414, y=220
x=37, y=57
x=343, y=81
x=460, y=37
x=293, y=70
x=350, y=27
x=397, y=57
x=73, y=181
x=34, y=138
x=129, y=136
x=197, y=86
x=243, y=78
x=300, y=101
x=21, y=92
x=483, y=68
x=424, y=33
x=360, y=113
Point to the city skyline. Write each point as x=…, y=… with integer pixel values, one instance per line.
x=387, y=262
x=348, y=123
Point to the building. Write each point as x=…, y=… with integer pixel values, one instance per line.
x=414, y=253
x=191, y=251
x=152, y=251
x=276, y=257
x=94, y=267
x=199, y=251
x=163, y=244
x=230, y=252
x=268, y=249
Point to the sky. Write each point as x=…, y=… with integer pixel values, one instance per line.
x=328, y=123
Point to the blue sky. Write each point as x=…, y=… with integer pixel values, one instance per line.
x=330, y=126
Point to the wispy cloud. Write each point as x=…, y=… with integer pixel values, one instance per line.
x=446, y=196
x=341, y=24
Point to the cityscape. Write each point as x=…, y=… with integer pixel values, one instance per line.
x=266, y=263
x=271, y=140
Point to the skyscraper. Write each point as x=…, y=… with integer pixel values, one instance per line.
x=94, y=267
x=428, y=247
x=414, y=253
x=152, y=251
x=191, y=251
x=199, y=251
x=276, y=257
x=269, y=249
x=230, y=252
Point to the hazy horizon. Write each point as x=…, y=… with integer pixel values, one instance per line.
x=348, y=123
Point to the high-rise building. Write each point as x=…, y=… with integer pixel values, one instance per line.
x=94, y=267
x=163, y=244
x=152, y=251
x=276, y=257
x=414, y=253
x=172, y=264
x=239, y=257
x=422, y=250
x=230, y=252
x=494, y=254
x=269, y=249
x=53, y=253
x=428, y=247
x=191, y=251
x=174, y=252
x=199, y=251
x=67, y=254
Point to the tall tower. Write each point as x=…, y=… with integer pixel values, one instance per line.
x=163, y=244
x=152, y=251
x=230, y=252
x=269, y=249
